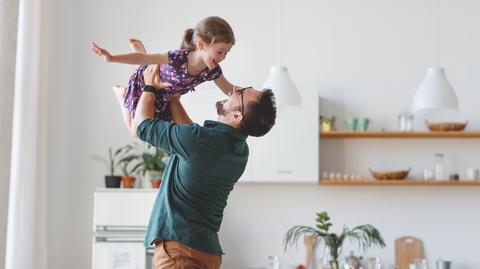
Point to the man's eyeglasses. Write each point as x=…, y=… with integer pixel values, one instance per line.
x=241, y=97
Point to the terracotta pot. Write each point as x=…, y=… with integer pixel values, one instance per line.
x=112, y=181
x=156, y=183
x=128, y=182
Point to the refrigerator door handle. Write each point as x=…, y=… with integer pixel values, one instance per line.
x=106, y=228
x=118, y=239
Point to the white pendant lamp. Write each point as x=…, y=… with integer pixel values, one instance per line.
x=286, y=93
x=435, y=92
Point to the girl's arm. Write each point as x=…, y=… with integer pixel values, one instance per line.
x=137, y=58
x=224, y=84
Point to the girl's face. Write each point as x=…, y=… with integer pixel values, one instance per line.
x=214, y=53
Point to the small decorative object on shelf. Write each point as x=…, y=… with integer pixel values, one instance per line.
x=392, y=175
x=454, y=176
x=340, y=176
x=363, y=124
x=446, y=126
x=328, y=124
x=352, y=124
x=439, y=167
x=366, y=236
x=405, y=122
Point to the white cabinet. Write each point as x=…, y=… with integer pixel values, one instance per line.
x=120, y=220
x=123, y=207
x=289, y=152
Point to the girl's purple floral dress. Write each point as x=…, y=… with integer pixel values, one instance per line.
x=175, y=73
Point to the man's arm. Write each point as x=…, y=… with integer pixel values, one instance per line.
x=145, y=107
x=144, y=110
x=179, y=139
x=179, y=115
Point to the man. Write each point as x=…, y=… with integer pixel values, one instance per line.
x=206, y=162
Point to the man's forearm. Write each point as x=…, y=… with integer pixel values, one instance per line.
x=179, y=115
x=145, y=109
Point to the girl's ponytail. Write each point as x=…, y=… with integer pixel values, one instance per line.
x=210, y=30
x=187, y=42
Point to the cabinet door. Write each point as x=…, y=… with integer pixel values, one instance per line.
x=289, y=152
x=123, y=208
x=118, y=255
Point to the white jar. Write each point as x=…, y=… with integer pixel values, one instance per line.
x=439, y=167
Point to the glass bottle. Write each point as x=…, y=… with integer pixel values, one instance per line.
x=439, y=167
x=405, y=122
x=273, y=262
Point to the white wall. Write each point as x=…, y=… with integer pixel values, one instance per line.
x=364, y=58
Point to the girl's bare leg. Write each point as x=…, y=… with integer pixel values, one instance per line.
x=127, y=115
x=137, y=46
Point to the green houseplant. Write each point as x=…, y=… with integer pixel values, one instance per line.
x=154, y=162
x=366, y=236
x=150, y=161
x=112, y=180
x=128, y=167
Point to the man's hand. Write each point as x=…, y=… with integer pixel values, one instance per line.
x=151, y=76
x=101, y=52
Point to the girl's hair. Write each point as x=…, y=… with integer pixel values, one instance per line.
x=211, y=30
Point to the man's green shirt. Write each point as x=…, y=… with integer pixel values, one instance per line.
x=206, y=162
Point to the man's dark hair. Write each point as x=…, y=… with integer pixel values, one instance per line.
x=259, y=116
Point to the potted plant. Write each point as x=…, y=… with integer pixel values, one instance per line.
x=128, y=169
x=154, y=162
x=111, y=180
x=366, y=236
x=151, y=161
x=328, y=124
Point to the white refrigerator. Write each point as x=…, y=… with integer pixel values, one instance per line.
x=119, y=223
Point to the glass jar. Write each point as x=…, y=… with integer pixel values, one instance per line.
x=405, y=122
x=273, y=262
x=439, y=167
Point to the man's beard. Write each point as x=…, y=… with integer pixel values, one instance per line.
x=220, y=110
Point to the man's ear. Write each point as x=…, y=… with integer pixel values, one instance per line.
x=236, y=116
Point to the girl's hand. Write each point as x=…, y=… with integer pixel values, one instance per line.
x=101, y=52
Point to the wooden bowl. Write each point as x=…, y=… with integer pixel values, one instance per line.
x=391, y=175
x=446, y=126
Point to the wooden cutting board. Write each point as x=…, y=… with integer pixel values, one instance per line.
x=407, y=249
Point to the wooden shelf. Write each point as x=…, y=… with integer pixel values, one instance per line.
x=406, y=182
x=388, y=134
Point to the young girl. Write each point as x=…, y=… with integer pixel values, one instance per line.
x=202, y=49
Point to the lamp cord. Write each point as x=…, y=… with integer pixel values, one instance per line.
x=280, y=32
x=435, y=32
